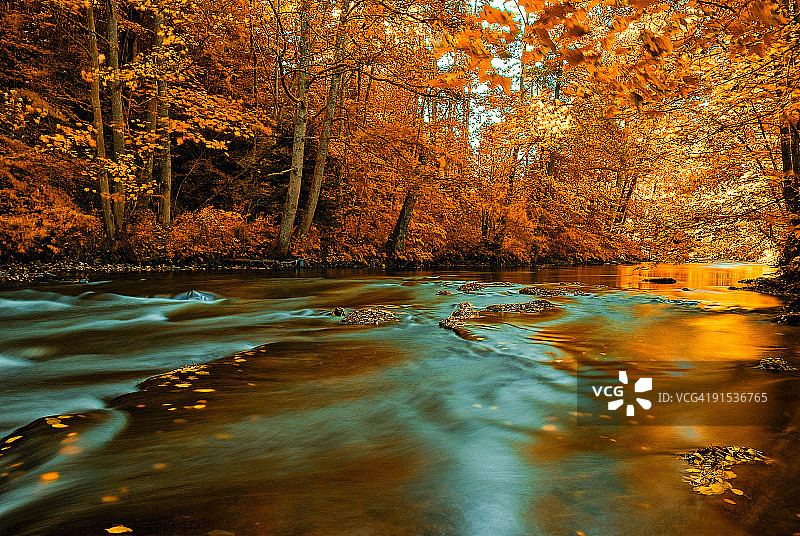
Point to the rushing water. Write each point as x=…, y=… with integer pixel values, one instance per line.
x=404, y=429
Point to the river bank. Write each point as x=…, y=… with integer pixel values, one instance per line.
x=14, y=274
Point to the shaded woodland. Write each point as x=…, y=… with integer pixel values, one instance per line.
x=419, y=131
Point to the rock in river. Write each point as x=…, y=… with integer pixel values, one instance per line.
x=541, y=291
x=196, y=295
x=369, y=316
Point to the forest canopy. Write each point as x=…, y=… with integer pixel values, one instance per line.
x=418, y=131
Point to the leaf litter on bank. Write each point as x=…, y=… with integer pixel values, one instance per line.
x=709, y=468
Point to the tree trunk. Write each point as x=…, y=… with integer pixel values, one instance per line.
x=397, y=241
x=165, y=157
x=330, y=107
x=299, y=143
x=116, y=113
x=790, y=159
x=551, y=162
x=105, y=194
x=152, y=124
x=624, y=202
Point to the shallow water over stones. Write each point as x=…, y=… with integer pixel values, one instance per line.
x=256, y=412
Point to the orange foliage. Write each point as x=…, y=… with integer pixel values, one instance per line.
x=38, y=220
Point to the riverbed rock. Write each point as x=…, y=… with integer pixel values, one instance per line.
x=661, y=280
x=338, y=311
x=466, y=311
x=536, y=306
x=444, y=293
x=472, y=286
x=790, y=319
x=774, y=363
x=542, y=291
x=369, y=316
x=196, y=295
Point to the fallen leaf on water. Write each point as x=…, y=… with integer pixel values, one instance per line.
x=579, y=533
x=737, y=491
x=49, y=477
x=730, y=501
x=204, y=390
x=12, y=439
x=109, y=498
x=119, y=529
x=549, y=428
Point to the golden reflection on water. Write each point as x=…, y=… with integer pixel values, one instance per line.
x=626, y=479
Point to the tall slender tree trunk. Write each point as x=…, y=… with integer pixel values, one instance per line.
x=152, y=124
x=116, y=113
x=551, y=162
x=97, y=112
x=165, y=156
x=299, y=143
x=397, y=240
x=790, y=160
x=330, y=108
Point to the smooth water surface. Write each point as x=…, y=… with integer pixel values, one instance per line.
x=404, y=429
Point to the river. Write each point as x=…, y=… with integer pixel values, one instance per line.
x=301, y=425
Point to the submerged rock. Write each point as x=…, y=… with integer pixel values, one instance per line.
x=774, y=363
x=472, y=286
x=661, y=280
x=536, y=306
x=456, y=318
x=338, y=311
x=196, y=295
x=466, y=311
x=444, y=293
x=541, y=291
x=369, y=316
x=790, y=319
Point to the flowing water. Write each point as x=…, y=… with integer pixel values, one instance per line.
x=301, y=425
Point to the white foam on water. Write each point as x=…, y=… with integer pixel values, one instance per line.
x=10, y=362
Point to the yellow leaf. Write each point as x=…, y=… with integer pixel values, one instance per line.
x=730, y=501
x=737, y=491
x=118, y=529
x=49, y=477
